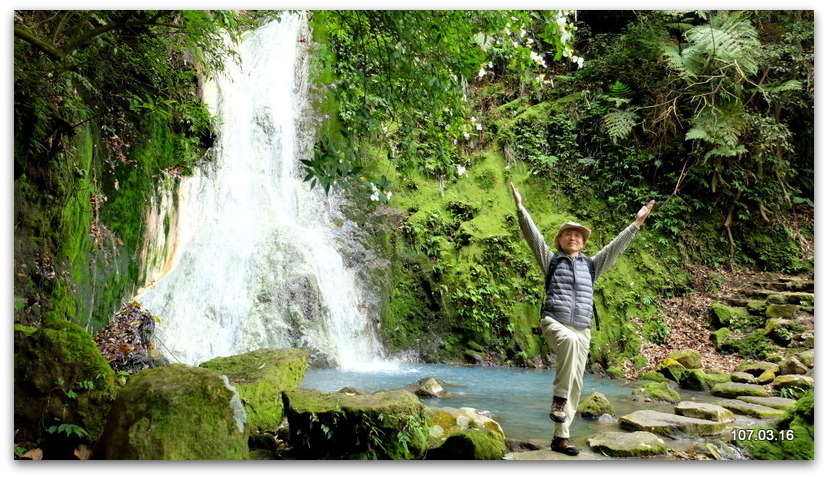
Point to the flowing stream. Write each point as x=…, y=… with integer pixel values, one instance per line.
x=252, y=257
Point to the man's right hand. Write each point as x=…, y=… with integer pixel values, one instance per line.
x=516, y=194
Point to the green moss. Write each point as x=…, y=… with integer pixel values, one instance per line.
x=796, y=427
x=260, y=377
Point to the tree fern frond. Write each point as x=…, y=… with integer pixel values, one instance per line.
x=729, y=37
x=619, y=124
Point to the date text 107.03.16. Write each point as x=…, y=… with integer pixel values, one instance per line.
x=762, y=434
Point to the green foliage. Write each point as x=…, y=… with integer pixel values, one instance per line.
x=69, y=429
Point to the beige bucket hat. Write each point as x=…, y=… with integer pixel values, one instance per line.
x=573, y=225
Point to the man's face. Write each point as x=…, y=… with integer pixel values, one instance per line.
x=571, y=241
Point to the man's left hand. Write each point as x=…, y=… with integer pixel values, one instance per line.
x=643, y=213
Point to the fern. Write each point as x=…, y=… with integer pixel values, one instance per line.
x=729, y=38
x=619, y=124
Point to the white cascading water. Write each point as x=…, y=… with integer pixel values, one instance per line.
x=255, y=262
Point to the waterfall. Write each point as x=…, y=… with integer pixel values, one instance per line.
x=252, y=259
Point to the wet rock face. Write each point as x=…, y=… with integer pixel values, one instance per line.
x=625, y=444
x=176, y=412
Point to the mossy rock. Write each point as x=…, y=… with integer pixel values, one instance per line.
x=757, y=367
x=802, y=382
x=653, y=376
x=806, y=357
x=671, y=369
x=387, y=425
x=733, y=390
x=722, y=315
x=176, y=412
x=595, y=405
x=696, y=379
x=444, y=422
x=472, y=444
x=260, y=377
x=784, y=311
x=689, y=358
x=656, y=392
x=743, y=407
x=60, y=377
x=720, y=337
x=797, y=427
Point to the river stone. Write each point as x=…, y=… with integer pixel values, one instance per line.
x=781, y=403
x=788, y=381
x=260, y=377
x=705, y=411
x=387, y=425
x=671, y=425
x=175, y=412
x=750, y=409
x=595, y=405
x=689, y=358
x=427, y=387
x=626, y=444
x=671, y=369
x=733, y=390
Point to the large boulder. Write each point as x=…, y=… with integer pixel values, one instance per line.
x=260, y=377
x=175, y=412
x=60, y=378
x=427, y=387
x=386, y=425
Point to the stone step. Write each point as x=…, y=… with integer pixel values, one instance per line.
x=750, y=409
x=780, y=403
x=671, y=425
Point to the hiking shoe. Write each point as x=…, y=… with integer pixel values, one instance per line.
x=563, y=445
x=558, y=411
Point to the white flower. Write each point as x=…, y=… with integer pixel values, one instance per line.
x=466, y=134
x=481, y=73
x=460, y=169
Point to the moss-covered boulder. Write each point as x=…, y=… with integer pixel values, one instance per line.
x=387, y=425
x=695, y=379
x=627, y=444
x=783, y=311
x=260, y=377
x=792, y=366
x=780, y=403
x=59, y=378
x=720, y=337
x=595, y=405
x=671, y=369
x=794, y=433
x=444, y=422
x=656, y=392
x=472, y=444
x=176, y=412
x=757, y=367
x=689, y=358
x=722, y=315
x=734, y=389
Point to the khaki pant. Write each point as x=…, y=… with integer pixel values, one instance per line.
x=572, y=349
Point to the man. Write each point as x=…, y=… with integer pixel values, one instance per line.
x=566, y=315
